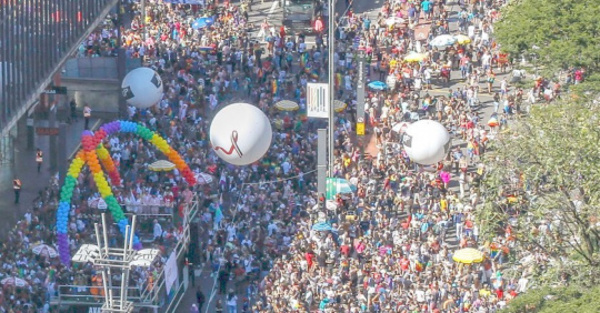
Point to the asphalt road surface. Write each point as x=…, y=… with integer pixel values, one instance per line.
x=272, y=11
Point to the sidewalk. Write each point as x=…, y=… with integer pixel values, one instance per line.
x=25, y=167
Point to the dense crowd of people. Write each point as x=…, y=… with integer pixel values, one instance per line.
x=389, y=244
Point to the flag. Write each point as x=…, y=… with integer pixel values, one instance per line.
x=274, y=85
x=304, y=59
x=218, y=215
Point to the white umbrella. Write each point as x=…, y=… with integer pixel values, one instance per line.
x=14, y=281
x=400, y=127
x=203, y=178
x=394, y=20
x=44, y=250
x=329, y=205
x=442, y=41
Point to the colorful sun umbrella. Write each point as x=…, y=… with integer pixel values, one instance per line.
x=415, y=57
x=468, y=256
x=161, y=166
x=202, y=22
x=462, y=39
x=339, y=106
x=442, y=41
x=287, y=105
x=377, y=85
x=336, y=186
x=323, y=226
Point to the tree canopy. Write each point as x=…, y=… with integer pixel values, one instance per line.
x=562, y=33
x=543, y=179
x=542, y=182
x=573, y=298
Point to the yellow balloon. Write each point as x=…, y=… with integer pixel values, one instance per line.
x=102, y=154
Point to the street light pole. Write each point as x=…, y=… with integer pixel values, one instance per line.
x=331, y=81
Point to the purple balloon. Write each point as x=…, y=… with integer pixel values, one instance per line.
x=137, y=246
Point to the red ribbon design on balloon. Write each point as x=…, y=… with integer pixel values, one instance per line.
x=234, y=145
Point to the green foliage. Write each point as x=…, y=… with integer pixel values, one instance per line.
x=573, y=298
x=551, y=162
x=564, y=32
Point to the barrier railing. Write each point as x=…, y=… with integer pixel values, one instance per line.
x=141, y=296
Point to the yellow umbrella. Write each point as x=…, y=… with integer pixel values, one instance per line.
x=161, y=166
x=339, y=106
x=415, y=57
x=462, y=39
x=468, y=256
x=287, y=105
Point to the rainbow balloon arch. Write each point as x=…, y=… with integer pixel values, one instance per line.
x=97, y=157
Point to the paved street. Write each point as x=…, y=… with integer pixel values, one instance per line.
x=24, y=167
x=272, y=11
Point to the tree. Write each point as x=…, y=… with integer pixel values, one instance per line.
x=562, y=33
x=546, y=170
x=574, y=298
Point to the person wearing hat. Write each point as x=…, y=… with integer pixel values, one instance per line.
x=17, y=188
x=39, y=158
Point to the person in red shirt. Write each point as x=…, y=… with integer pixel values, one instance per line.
x=345, y=249
x=500, y=293
x=309, y=256
x=404, y=264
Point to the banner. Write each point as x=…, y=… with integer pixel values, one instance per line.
x=317, y=100
x=184, y=1
x=171, y=273
x=360, y=94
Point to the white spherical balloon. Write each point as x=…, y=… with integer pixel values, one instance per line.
x=142, y=88
x=426, y=142
x=240, y=133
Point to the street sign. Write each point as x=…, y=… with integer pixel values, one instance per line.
x=317, y=100
x=56, y=90
x=360, y=128
x=46, y=131
x=360, y=89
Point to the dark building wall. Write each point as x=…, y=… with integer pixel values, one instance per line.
x=36, y=36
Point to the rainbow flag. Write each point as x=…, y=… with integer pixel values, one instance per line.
x=303, y=59
x=274, y=86
x=338, y=80
x=314, y=74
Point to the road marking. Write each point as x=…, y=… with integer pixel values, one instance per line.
x=273, y=8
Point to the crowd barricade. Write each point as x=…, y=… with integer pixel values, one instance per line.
x=151, y=293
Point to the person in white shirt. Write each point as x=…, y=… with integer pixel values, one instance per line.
x=157, y=231
x=471, y=31
x=232, y=302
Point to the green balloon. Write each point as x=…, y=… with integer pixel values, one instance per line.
x=70, y=180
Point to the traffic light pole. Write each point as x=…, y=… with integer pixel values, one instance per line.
x=331, y=81
x=321, y=165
